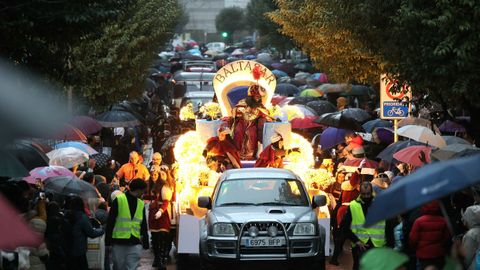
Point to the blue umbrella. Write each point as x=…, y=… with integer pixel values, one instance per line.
x=250, y=57
x=286, y=89
x=387, y=153
x=80, y=146
x=430, y=182
x=370, y=125
x=279, y=73
x=331, y=137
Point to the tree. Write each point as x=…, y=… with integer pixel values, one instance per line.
x=112, y=66
x=257, y=19
x=230, y=20
x=333, y=49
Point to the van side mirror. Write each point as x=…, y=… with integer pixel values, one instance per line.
x=319, y=200
x=204, y=202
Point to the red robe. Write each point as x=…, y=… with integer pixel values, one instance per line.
x=271, y=158
x=225, y=149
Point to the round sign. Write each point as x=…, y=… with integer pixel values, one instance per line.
x=399, y=95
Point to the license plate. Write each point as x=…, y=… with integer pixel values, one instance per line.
x=263, y=242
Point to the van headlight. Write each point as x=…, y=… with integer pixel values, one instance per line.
x=223, y=229
x=304, y=229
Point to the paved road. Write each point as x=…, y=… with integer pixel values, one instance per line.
x=193, y=262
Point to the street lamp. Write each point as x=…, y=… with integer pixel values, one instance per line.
x=224, y=34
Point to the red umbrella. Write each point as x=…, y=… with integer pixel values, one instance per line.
x=413, y=155
x=278, y=99
x=14, y=231
x=355, y=162
x=70, y=133
x=86, y=124
x=305, y=122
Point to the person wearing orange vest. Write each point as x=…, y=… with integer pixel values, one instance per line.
x=126, y=229
x=364, y=238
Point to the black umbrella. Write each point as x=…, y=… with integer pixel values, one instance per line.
x=302, y=100
x=286, y=89
x=170, y=142
x=339, y=120
x=28, y=154
x=117, y=119
x=321, y=106
x=101, y=159
x=387, y=153
x=10, y=166
x=304, y=67
x=359, y=115
x=66, y=185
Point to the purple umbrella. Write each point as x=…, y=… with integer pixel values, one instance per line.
x=384, y=135
x=451, y=127
x=86, y=124
x=331, y=137
x=43, y=173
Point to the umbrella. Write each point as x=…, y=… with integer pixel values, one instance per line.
x=86, y=124
x=286, y=89
x=359, y=115
x=430, y=182
x=355, y=162
x=454, y=139
x=301, y=77
x=321, y=106
x=311, y=93
x=80, y=146
x=285, y=67
x=304, y=67
x=339, y=120
x=284, y=80
x=117, y=119
x=387, y=153
x=276, y=100
x=451, y=127
x=317, y=78
x=170, y=142
x=331, y=137
x=384, y=135
x=291, y=111
x=43, y=173
x=10, y=166
x=14, y=231
x=29, y=155
x=264, y=58
x=279, y=73
x=237, y=52
x=414, y=154
x=69, y=133
x=455, y=150
x=333, y=88
x=101, y=159
x=305, y=122
x=211, y=52
x=67, y=157
x=66, y=185
x=302, y=100
x=370, y=125
x=418, y=122
x=422, y=134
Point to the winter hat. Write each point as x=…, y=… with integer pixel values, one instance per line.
x=471, y=216
x=38, y=225
x=275, y=138
x=115, y=194
x=382, y=259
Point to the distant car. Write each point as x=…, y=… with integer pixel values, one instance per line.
x=199, y=66
x=216, y=46
x=194, y=81
x=197, y=98
x=261, y=214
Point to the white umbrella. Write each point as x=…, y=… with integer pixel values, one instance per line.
x=422, y=134
x=67, y=157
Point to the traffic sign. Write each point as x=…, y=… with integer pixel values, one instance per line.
x=394, y=105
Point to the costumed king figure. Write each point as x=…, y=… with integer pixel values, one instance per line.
x=272, y=156
x=220, y=152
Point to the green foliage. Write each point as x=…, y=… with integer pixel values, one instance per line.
x=112, y=66
x=230, y=20
x=257, y=19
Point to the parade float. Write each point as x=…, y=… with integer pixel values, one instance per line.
x=195, y=178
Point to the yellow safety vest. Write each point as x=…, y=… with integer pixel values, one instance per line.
x=375, y=233
x=125, y=226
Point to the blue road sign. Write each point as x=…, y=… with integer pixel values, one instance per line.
x=393, y=109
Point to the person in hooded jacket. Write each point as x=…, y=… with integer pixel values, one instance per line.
x=430, y=236
x=471, y=240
